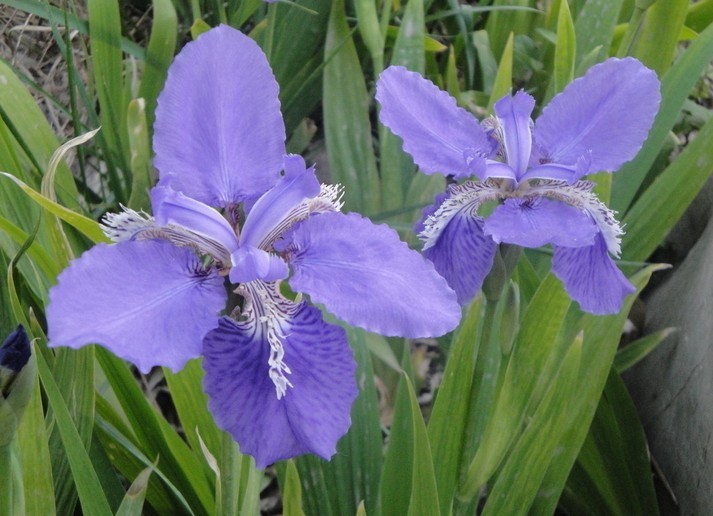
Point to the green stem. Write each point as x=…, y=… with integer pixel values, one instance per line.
x=6, y=481
x=230, y=469
x=482, y=394
x=270, y=31
x=632, y=31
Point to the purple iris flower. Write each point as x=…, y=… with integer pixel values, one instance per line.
x=533, y=171
x=232, y=217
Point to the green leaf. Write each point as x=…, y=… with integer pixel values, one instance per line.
x=159, y=54
x=449, y=416
x=73, y=371
x=84, y=225
x=633, y=352
x=370, y=31
x=676, y=85
x=486, y=60
x=565, y=50
x=614, y=460
x=158, y=439
x=601, y=338
x=292, y=492
x=518, y=480
x=525, y=372
x=35, y=458
x=133, y=502
x=191, y=404
x=502, y=23
x=664, y=202
x=398, y=474
x=298, y=67
x=503, y=79
x=408, y=483
x=424, y=494
x=107, y=67
x=346, y=119
x=91, y=495
x=20, y=107
x=140, y=160
x=130, y=461
x=595, y=25
x=657, y=38
x=700, y=15
x=35, y=252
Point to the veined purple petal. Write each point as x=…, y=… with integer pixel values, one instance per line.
x=365, y=275
x=298, y=184
x=536, y=221
x=219, y=129
x=311, y=416
x=591, y=277
x=441, y=137
x=171, y=207
x=513, y=114
x=608, y=111
x=461, y=252
x=148, y=302
x=580, y=195
x=453, y=239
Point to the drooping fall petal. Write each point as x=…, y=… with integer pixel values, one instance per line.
x=148, y=302
x=312, y=415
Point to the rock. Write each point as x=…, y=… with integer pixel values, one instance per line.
x=673, y=387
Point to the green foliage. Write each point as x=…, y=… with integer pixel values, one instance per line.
x=531, y=408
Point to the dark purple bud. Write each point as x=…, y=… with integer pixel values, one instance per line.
x=15, y=351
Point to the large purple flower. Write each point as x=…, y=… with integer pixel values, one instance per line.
x=533, y=170
x=192, y=281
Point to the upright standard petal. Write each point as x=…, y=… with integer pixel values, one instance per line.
x=171, y=207
x=270, y=211
x=219, y=131
x=591, y=277
x=608, y=111
x=513, y=114
x=366, y=275
x=536, y=221
x=146, y=301
x=441, y=137
x=311, y=416
x=454, y=240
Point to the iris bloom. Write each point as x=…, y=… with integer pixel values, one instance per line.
x=532, y=170
x=232, y=217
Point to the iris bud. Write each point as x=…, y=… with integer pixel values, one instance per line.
x=16, y=381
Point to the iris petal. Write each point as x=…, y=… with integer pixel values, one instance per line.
x=608, y=111
x=250, y=263
x=463, y=255
x=364, y=274
x=171, y=207
x=454, y=240
x=441, y=137
x=535, y=222
x=591, y=277
x=513, y=114
x=298, y=184
x=314, y=412
x=146, y=301
x=219, y=131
